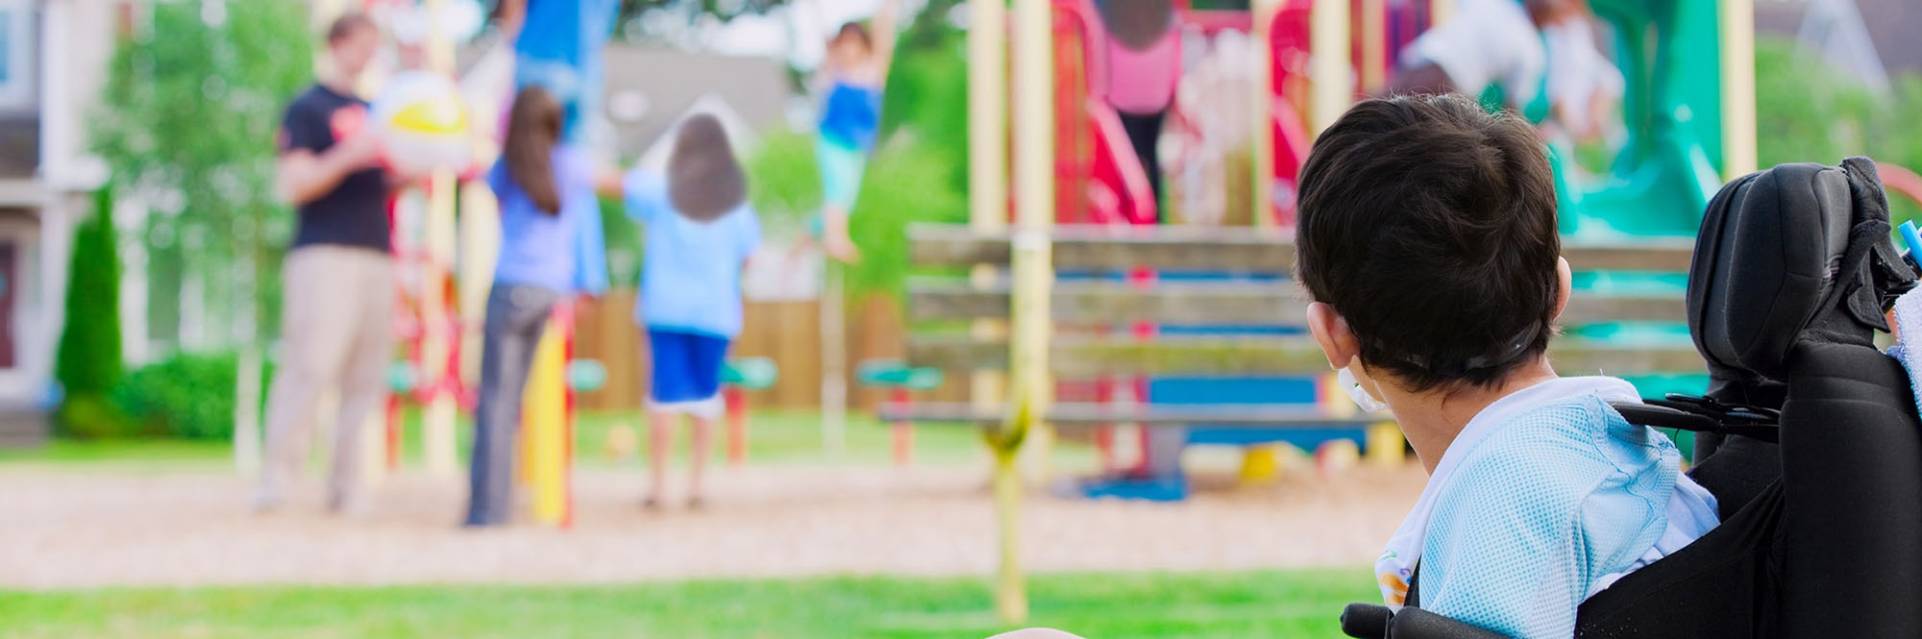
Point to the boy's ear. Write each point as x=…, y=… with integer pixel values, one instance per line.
x=1564, y=285
x=1331, y=332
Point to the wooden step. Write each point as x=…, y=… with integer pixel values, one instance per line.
x=1080, y=415
x=1257, y=355
x=1218, y=303
x=1227, y=249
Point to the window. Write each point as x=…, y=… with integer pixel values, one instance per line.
x=6, y=40
x=16, y=55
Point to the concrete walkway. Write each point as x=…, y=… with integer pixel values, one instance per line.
x=71, y=527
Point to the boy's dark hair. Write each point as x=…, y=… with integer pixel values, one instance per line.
x=1429, y=225
x=348, y=24
x=704, y=181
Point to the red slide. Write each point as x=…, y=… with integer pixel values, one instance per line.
x=1098, y=178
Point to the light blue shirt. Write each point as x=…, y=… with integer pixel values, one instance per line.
x=1545, y=498
x=544, y=250
x=690, y=270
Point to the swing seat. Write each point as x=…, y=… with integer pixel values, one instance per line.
x=1808, y=435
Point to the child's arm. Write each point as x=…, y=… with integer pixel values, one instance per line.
x=644, y=194
x=1506, y=558
x=509, y=16
x=884, y=38
x=748, y=234
x=608, y=182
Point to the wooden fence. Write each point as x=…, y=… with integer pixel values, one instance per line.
x=786, y=332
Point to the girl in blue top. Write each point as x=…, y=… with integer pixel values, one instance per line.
x=546, y=191
x=850, y=83
x=700, y=232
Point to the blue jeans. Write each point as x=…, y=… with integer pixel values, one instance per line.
x=516, y=315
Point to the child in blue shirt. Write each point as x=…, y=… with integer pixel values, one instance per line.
x=700, y=232
x=1428, y=243
x=546, y=191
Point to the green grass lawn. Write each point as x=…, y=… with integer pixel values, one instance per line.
x=1250, y=604
x=140, y=452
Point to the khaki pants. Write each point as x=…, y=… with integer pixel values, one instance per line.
x=336, y=334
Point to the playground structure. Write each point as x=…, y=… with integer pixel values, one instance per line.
x=1688, y=105
x=1656, y=187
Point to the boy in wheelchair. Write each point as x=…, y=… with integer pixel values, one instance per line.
x=1427, y=240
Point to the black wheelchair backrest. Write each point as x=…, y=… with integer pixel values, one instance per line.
x=1769, y=246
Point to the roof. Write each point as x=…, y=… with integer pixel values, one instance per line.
x=649, y=89
x=1892, y=25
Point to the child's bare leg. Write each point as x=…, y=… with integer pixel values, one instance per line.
x=660, y=442
x=835, y=238
x=703, y=440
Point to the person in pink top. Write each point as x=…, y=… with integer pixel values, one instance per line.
x=1143, y=60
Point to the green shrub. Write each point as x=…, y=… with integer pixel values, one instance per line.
x=87, y=363
x=784, y=183
x=1810, y=112
x=190, y=396
x=906, y=183
x=94, y=416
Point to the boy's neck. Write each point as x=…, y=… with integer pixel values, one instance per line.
x=340, y=83
x=1432, y=420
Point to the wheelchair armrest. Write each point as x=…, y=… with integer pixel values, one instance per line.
x=1701, y=415
x=1369, y=621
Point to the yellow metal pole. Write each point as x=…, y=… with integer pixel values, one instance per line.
x=1033, y=277
x=987, y=165
x=544, y=428
x=1331, y=87
x=1738, y=88
x=1263, y=161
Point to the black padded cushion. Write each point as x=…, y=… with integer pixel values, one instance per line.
x=1763, y=262
x=1796, y=249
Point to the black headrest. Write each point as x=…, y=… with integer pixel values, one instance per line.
x=1790, y=249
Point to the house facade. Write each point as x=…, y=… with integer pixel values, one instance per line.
x=53, y=57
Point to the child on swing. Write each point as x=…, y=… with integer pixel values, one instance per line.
x=700, y=231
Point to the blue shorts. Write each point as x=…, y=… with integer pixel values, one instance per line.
x=687, y=366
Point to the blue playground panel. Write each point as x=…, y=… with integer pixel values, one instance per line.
x=1224, y=390
x=1248, y=391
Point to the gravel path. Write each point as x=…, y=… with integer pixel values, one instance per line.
x=87, y=527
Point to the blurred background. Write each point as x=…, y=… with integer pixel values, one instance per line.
x=141, y=244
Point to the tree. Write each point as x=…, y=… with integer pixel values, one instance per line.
x=187, y=123
x=87, y=362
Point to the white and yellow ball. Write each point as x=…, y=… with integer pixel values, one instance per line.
x=423, y=123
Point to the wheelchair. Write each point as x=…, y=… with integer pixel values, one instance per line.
x=1807, y=436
